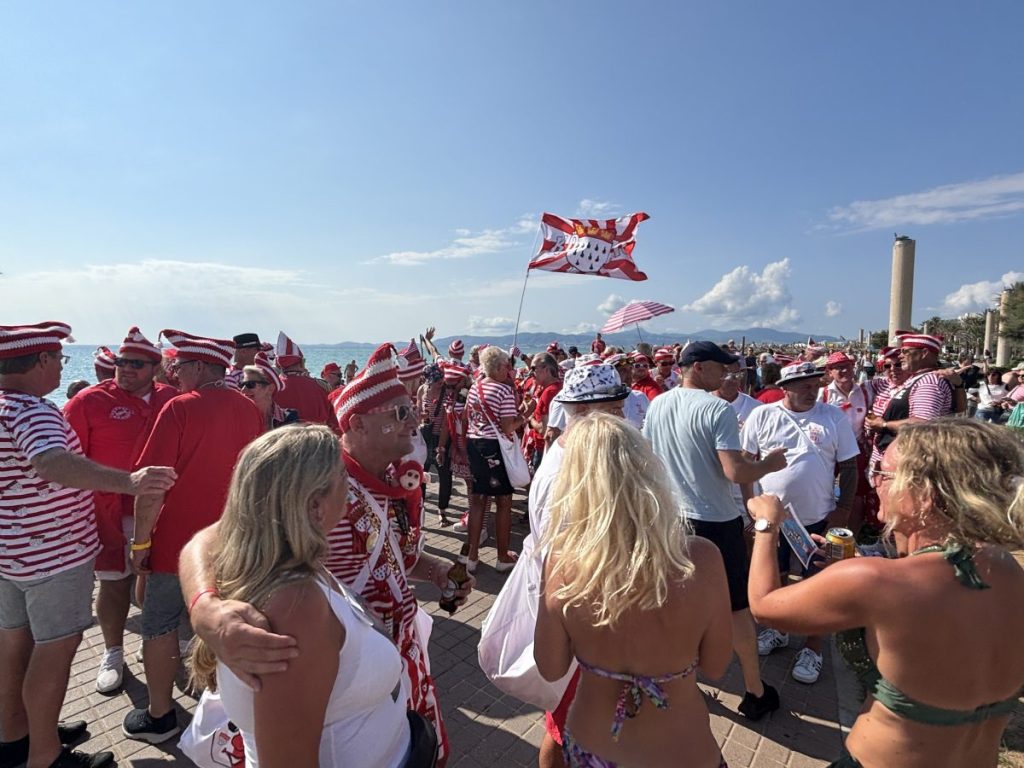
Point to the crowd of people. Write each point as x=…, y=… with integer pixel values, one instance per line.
x=232, y=494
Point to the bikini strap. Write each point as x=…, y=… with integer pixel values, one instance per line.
x=962, y=560
x=634, y=689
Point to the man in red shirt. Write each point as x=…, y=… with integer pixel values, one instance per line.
x=200, y=433
x=301, y=392
x=642, y=379
x=547, y=384
x=48, y=544
x=597, y=346
x=112, y=421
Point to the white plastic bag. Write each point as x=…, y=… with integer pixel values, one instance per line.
x=211, y=740
x=516, y=468
x=505, y=650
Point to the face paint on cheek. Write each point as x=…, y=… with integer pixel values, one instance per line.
x=387, y=428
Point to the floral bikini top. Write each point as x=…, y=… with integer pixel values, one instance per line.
x=634, y=688
x=854, y=650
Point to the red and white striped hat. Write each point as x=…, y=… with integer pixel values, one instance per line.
x=456, y=349
x=191, y=347
x=553, y=347
x=18, y=340
x=288, y=352
x=267, y=369
x=136, y=342
x=375, y=385
x=454, y=373
x=639, y=357
x=414, y=363
x=104, y=358
x=664, y=355
x=909, y=339
x=838, y=358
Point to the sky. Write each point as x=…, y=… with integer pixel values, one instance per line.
x=358, y=171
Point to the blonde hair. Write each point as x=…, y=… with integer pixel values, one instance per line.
x=491, y=358
x=974, y=474
x=266, y=536
x=616, y=533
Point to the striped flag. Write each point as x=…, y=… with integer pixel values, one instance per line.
x=589, y=247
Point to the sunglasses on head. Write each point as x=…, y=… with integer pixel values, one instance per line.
x=253, y=384
x=137, y=365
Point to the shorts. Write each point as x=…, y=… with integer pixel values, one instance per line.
x=163, y=607
x=108, y=553
x=728, y=537
x=53, y=608
x=785, y=550
x=487, y=468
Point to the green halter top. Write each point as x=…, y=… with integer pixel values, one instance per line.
x=854, y=650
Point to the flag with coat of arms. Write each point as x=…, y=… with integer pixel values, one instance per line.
x=589, y=246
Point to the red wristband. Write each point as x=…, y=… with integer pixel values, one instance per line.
x=199, y=594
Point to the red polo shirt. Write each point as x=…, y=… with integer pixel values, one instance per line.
x=200, y=434
x=308, y=398
x=112, y=426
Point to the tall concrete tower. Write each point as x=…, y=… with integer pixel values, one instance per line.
x=901, y=296
x=1003, y=345
x=990, y=329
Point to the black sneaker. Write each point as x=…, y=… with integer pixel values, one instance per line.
x=71, y=732
x=755, y=707
x=142, y=726
x=72, y=758
x=14, y=754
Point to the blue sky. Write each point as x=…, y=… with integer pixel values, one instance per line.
x=356, y=171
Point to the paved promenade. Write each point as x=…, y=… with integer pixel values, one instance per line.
x=486, y=728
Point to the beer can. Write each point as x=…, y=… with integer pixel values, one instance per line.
x=840, y=544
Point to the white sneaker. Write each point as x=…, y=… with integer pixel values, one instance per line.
x=111, y=671
x=463, y=525
x=807, y=667
x=770, y=639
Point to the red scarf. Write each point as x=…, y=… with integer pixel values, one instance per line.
x=413, y=500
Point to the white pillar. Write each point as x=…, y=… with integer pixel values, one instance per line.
x=901, y=294
x=990, y=330
x=1003, y=345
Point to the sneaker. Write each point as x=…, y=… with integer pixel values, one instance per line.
x=14, y=754
x=504, y=566
x=142, y=726
x=770, y=639
x=755, y=707
x=463, y=525
x=72, y=758
x=111, y=672
x=807, y=667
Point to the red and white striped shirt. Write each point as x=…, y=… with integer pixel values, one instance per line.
x=45, y=528
x=501, y=404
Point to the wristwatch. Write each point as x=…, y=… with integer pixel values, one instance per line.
x=762, y=525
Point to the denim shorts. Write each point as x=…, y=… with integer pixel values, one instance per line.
x=53, y=608
x=163, y=606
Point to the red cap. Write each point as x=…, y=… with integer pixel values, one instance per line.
x=375, y=385
x=288, y=352
x=191, y=347
x=136, y=342
x=18, y=340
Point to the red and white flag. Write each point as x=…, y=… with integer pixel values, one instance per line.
x=589, y=246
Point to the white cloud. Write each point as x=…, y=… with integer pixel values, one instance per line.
x=596, y=209
x=466, y=244
x=966, y=201
x=490, y=326
x=976, y=297
x=612, y=303
x=102, y=301
x=748, y=297
x=581, y=328
x=833, y=308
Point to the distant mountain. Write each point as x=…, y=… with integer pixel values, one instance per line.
x=626, y=339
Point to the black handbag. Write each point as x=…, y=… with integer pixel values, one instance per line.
x=423, y=741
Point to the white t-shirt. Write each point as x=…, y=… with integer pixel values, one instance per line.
x=743, y=405
x=855, y=405
x=988, y=394
x=556, y=416
x=808, y=481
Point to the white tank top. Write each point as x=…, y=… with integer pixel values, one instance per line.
x=366, y=711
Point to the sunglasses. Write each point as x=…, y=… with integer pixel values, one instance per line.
x=401, y=412
x=64, y=359
x=876, y=476
x=136, y=365
x=178, y=366
x=254, y=384
x=641, y=365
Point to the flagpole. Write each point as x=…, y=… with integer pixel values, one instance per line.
x=522, y=296
x=639, y=334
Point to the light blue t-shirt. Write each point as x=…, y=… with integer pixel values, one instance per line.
x=687, y=427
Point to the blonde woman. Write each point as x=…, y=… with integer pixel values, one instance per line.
x=260, y=382
x=343, y=694
x=934, y=637
x=639, y=603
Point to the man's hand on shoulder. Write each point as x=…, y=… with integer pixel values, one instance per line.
x=240, y=638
